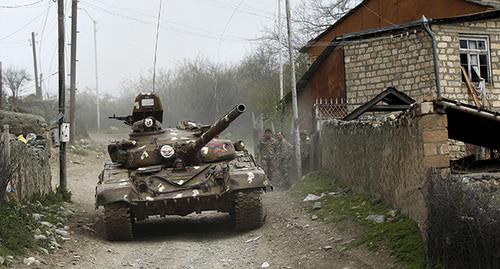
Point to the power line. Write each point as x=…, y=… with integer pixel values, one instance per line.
x=41, y=38
x=97, y=8
x=20, y=6
x=232, y=7
x=156, y=45
x=202, y=32
x=24, y=26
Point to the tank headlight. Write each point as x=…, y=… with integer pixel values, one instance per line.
x=167, y=151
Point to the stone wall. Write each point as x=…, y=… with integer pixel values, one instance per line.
x=449, y=57
x=389, y=158
x=404, y=62
x=30, y=160
x=32, y=174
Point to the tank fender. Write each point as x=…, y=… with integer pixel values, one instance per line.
x=248, y=179
x=108, y=193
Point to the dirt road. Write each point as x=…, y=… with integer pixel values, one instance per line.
x=289, y=239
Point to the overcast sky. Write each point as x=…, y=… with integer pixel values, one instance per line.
x=126, y=34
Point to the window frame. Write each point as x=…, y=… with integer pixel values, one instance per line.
x=468, y=51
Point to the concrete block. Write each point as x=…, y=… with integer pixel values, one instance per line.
x=430, y=149
x=426, y=108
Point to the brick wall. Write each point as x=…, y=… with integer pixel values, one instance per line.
x=404, y=62
x=390, y=159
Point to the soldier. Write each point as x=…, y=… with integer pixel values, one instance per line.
x=265, y=151
x=283, y=151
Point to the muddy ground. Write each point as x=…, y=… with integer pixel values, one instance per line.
x=289, y=239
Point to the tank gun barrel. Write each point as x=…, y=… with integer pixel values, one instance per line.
x=214, y=130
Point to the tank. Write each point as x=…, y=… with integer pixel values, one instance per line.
x=178, y=171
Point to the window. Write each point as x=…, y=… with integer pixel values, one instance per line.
x=474, y=58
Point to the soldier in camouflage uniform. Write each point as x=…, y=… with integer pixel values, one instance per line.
x=266, y=154
x=283, y=151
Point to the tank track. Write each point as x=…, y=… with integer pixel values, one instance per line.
x=247, y=212
x=118, y=222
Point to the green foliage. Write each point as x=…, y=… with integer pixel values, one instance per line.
x=400, y=233
x=17, y=224
x=15, y=229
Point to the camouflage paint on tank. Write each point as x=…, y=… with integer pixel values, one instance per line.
x=212, y=168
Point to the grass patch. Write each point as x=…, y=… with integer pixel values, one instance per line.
x=400, y=233
x=18, y=223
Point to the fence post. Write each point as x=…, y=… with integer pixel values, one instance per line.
x=4, y=161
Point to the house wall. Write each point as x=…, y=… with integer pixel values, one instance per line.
x=449, y=57
x=389, y=159
x=369, y=16
x=404, y=62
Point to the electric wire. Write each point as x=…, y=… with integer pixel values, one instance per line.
x=24, y=26
x=41, y=39
x=166, y=21
x=215, y=4
x=97, y=8
x=218, y=54
x=20, y=6
x=156, y=46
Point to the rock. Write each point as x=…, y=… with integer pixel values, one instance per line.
x=31, y=260
x=314, y=217
x=2, y=260
x=62, y=233
x=327, y=247
x=376, y=218
x=43, y=250
x=317, y=205
x=40, y=237
x=313, y=197
x=46, y=224
x=265, y=265
x=37, y=231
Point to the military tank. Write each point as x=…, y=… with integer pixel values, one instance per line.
x=177, y=171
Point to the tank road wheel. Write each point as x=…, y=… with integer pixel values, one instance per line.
x=247, y=212
x=118, y=222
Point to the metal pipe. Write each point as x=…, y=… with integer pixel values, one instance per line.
x=426, y=24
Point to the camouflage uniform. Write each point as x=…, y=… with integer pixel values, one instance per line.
x=283, y=156
x=266, y=151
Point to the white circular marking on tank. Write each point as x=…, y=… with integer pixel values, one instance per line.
x=167, y=151
x=148, y=123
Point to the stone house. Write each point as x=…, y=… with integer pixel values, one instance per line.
x=381, y=44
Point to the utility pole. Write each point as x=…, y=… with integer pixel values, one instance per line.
x=1, y=87
x=97, y=78
x=72, y=93
x=37, y=85
x=296, y=131
x=62, y=94
x=281, y=50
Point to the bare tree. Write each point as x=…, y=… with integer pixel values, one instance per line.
x=14, y=79
x=310, y=18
